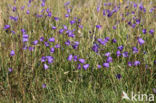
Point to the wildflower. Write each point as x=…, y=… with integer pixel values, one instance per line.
x=35, y=42
x=46, y=44
x=151, y=31
x=121, y=47
x=106, y=65
x=49, y=59
x=46, y=66
x=85, y=66
x=52, y=50
x=53, y=27
x=154, y=90
x=41, y=39
x=109, y=59
x=141, y=41
x=67, y=3
x=12, y=53
x=118, y=76
x=70, y=57
x=82, y=61
x=135, y=50
x=78, y=66
x=57, y=46
x=52, y=39
x=114, y=40
x=129, y=64
x=125, y=54
x=136, y=63
x=155, y=62
x=98, y=26
x=118, y=53
x=95, y=48
x=75, y=58
x=144, y=31
x=43, y=59
x=28, y=12
x=107, y=54
x=61, y=31
x=6, y=26
x=10, y=70
x=56, y=18
x=67, y=42
x=99, y=66
x=44, y=86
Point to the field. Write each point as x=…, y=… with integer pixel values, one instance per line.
x=77, y=51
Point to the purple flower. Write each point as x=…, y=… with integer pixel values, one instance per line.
x=53, y=27
x=141, y=41
x=31, y=48
x=75, y=45
x=109, y=59
x=154, y=90
x=135, y=50
x=6, y=26
x=41, y=39
x=106, y=65
x=121, y=47
x=75, y=58
x=98, y=26
x=155, y=62
x=49, y=59
x=46, y=44
x=61, y=31
x=114, y=40
x=82, y=61
x=72, y=22
x=107, y=54
x=52, y=39
x=136, y=63
x=67, y=15
x=35, y=42
x=129, y=64
x=10, y=70
x=144, y=31
x=43, y=59
x=14, y=9
x=125, y=54
x=114, y=27
x=67, y=42
x=28, y=12
x=78, y=66
x=12, y=53
x=118, y=76
x=68, y=10
x=95, y=48
x=70, y=57
x=151, y=31
x=137, y=21
x=56, y=18
x=85, y=66
x=43, y=4
x=118, y=53
x=67, y=3
x=65, y=27
x=57, y=46
x=46, y=66
x=44, y=86
x=52, y=50
x=99, y=66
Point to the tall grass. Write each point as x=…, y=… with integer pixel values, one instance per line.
x=23, y=77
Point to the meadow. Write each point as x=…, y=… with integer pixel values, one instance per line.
x=77, y=51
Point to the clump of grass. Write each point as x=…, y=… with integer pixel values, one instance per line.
x=78, y=51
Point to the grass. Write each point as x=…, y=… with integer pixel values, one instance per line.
x=64, y=81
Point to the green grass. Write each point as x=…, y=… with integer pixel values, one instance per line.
x=64, y=82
